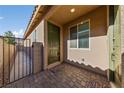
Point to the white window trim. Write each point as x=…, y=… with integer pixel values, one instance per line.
x=77, y=36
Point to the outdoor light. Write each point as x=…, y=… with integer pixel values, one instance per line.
x=72, y=10
x=81, y=23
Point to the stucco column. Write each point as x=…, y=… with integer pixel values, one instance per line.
x=37, y=54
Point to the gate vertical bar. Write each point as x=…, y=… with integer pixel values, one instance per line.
x=3, y=61
x=9, y=59
x=23, y=59
x=30, y=56
x=26, y=57
x=18, y=58
x=14, y=57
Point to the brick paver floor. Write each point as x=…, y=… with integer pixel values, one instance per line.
x=62, y=76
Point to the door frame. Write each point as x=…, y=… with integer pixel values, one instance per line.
x=111, y=77
x=110, y=50
x=46, y=66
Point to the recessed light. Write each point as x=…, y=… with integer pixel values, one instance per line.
x=81, y=22
x=72, y=10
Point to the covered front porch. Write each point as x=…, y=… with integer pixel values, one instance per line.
x=84, y=37
x=77, y=34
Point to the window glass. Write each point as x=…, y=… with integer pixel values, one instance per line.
x=73, y=37
x=83, y=35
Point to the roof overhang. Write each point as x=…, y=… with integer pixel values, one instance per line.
x=55, y=14
x=38, y=14
x=67, y=13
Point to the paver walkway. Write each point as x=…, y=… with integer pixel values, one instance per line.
x=62, y=76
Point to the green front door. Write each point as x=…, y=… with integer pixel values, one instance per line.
x=53, y=43
x=115, y=45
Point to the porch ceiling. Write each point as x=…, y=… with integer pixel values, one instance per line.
x=64, y=15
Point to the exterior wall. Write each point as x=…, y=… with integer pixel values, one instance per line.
x=38, y=34
x=122, y=42
x=37, y=53
x=97, y=55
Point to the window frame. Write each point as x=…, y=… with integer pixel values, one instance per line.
x=82, y=22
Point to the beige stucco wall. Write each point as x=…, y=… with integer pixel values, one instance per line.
x=39, y=33
x=122, y=42
x=37, y=53
x=97, y=55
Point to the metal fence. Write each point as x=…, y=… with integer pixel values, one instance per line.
x=15, y=59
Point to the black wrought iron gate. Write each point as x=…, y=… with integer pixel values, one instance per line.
x=15, y=59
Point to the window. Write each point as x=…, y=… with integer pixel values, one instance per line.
x=34, y=36
x=79, y=35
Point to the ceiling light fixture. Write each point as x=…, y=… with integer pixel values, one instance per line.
x=72, y=10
